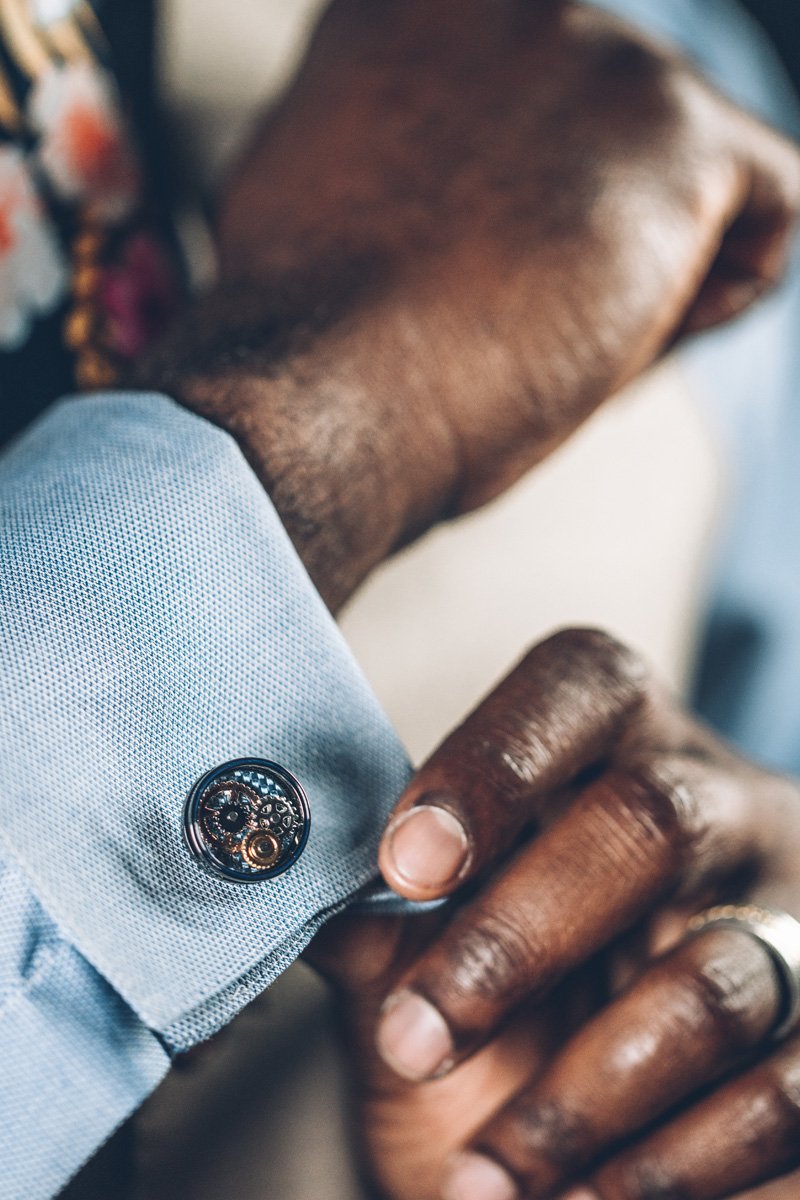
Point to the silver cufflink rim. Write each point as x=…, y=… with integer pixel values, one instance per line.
x=203, y=851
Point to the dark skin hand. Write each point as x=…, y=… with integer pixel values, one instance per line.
x=574, y=1034
x=465, y=226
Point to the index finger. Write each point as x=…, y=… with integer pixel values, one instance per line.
x=559, y=712
x=627, y=841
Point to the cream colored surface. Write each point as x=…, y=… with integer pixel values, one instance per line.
x=611, y=531
x=221, y=61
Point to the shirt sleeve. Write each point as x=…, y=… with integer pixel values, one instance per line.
x=157, y=623
x=76, y=1059
x=746, y=379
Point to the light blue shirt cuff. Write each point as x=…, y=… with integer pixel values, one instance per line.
x=76, y=1060
x=158, y=622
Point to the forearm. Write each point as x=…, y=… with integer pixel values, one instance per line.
x=430, y=278
x=315, y=384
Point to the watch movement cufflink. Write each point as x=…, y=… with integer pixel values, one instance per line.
x=247, y=820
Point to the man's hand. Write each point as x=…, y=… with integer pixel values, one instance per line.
x=581, y=819
x=466, y=225
x=408, y=1132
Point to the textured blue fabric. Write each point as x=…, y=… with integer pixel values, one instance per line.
x=157, y=622
x=75, y=1060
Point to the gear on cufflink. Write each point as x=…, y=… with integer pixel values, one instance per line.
x=228, y=808
x=246, y=820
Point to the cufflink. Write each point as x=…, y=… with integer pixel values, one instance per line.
x=247, y=820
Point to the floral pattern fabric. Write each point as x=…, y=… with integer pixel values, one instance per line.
x=88, y=275
x=83, y=151
x=33, y=269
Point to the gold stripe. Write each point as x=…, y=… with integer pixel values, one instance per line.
x=10, y=116
x=22, y=39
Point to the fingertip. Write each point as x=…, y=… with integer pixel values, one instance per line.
x=473, y=1176
x=425, y=852
x=413, y=1038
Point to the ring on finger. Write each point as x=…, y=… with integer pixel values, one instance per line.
x=779, y=933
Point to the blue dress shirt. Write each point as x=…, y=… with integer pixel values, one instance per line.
x=157, y=623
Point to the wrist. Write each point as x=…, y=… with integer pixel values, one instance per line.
x=354, y=470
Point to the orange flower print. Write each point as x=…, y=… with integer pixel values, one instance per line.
x=83, y=149
x=33, y=274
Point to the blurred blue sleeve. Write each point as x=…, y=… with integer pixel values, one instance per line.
x=747, y=378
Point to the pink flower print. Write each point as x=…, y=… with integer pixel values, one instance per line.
x=138, y=295
x=84, y=150
x=33, y=274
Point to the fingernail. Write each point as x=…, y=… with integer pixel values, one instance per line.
x=580, y=1193
x=476, y=1177
x=428, y=847
x=413, y=1037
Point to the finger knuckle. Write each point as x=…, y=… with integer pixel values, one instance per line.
x=556, y=711
x=725, y=988
x=632, y=69
x=646, y=1179
x=616, y=54
x=608, y=658
x=773, y=1125
x=546, y=1130
x=487, y=959
x=663, y=804
x=635, y=67
x=639, y=1175
x=781, y=1102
